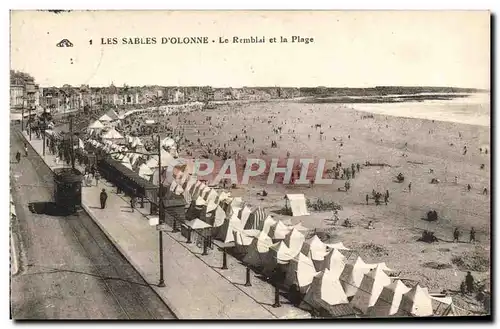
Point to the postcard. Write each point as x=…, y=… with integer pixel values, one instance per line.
x=220, y=165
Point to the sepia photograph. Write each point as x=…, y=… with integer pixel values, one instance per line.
x=250, y=165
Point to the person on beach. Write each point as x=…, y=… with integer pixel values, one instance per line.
x=485, y=191
x=18, y=156
x=103, y=197
x=469, y=282
x=370, y=226
x=456, y=180
x=469, y=187
x=386, y=198
x=456, y=235
x=367, y=199
x=357, y=166
x=409, y=187
x=472, y=235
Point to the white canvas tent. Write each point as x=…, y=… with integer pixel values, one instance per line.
x=333, y=261
x=294, y=241
x=258, y=251
x=389, y=299
x=152, y=162
x=136, y=141
x=96, y=125
x=353, y=274
x=416, y=302
x=297, y=203
x=225, y=232
x=245, y=214
x=279, y=231
x=243, y=239
x=256, y=219
x=371, y=286
x=326, y=293
x=316, y=249
x=267, y=224
x=300, y=272
x=144, y=171
x=112, y=115
x=105, y=118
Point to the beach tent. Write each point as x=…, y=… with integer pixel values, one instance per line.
x=219, y=217
x=326, y=294
x=279, y=254
x=243, y=240
x=225, y=231
x=268, y=224
x=96, y=125
x=152, y=162
x=258, y=251
x=371, y=286
x=112, y=134
x=389, y=299
x=279, y=231
x=136, y=141
x=416, y=302
x=333, y=261
x=300, y=272
x=144, y=171
x=223, y=196
x=112, y=115
x=443, y=306
x=353, y=274
x=105, y=118
x=244, y=215
x=297, y=204
x=294, y=240
x=255, y=219
x=134, y=158
x=212, y=196
x=316, y=249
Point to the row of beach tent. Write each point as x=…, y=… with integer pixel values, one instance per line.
x=320, y=271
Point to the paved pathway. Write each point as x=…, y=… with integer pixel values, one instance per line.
x=196, y=287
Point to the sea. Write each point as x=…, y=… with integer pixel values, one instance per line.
x=473, y=109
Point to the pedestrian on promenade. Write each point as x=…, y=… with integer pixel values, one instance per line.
x=25, y=150
x=103, y=197
x=18, y=156
x=132, y=203
x=97, y=176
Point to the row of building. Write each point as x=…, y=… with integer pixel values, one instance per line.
x=25, y=94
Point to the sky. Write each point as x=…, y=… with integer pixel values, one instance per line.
x=350, y=48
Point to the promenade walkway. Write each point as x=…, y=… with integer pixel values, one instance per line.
x=196, y=286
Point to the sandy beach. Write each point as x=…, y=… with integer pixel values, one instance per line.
x=434, y=149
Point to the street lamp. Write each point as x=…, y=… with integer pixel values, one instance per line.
x=161, y=211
